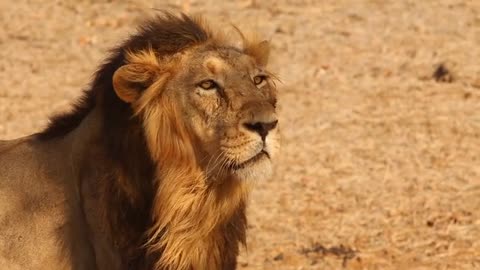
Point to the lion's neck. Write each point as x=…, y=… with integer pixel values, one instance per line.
x=197, y=225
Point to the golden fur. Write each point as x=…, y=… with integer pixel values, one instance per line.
x=153, y=167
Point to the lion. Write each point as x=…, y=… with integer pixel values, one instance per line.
x=152, y=167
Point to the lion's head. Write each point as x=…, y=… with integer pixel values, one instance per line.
x=212, y=100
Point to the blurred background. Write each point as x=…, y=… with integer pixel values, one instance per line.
x=379, y=109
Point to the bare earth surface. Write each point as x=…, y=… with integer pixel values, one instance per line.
x=381, y=166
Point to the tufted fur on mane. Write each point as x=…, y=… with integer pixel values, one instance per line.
x=160, y=210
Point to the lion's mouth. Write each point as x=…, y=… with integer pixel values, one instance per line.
x=262, y=154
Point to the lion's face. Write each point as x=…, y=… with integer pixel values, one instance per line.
x=229, y=105
x=218, y=105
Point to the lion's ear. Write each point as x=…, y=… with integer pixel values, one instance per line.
x=260, y=51
x=129, y=81
x=263, y=52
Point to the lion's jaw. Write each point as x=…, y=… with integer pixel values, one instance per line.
x=258, y=167
x=247, y=156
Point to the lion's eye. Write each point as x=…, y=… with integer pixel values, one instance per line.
x=260, y=80
x=208, y=84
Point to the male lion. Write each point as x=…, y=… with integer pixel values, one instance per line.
x=152, y=168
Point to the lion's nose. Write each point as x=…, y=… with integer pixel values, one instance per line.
x=262, y=128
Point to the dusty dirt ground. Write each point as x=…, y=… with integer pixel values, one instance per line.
x=381, y=165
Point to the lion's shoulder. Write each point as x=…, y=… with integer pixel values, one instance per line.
x=37, y=204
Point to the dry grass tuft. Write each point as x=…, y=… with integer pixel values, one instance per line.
x=442, y=74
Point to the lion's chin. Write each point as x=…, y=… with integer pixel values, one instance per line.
x=260, y=169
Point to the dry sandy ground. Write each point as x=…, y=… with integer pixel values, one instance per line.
x=381, y=166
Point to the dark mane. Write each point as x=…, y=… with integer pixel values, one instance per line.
x=128, y=204
x=166, y=33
